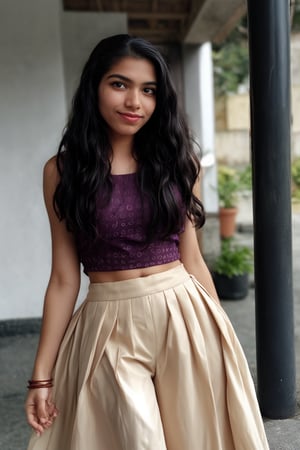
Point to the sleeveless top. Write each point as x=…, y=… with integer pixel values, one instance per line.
x=121, y=230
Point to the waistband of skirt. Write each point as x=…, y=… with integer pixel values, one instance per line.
x=137, y=287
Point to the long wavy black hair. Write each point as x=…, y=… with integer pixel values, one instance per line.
x=162, y=147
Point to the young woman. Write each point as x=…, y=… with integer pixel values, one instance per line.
x=149, y=361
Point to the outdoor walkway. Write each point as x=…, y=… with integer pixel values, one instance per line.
x=17, y=353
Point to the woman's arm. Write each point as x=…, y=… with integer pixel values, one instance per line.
x=60, y=298
x=192, y=259
x=191, y=256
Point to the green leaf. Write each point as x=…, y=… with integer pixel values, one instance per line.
x=233, y=259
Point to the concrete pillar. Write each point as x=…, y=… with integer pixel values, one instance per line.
x=199, y=105
x=269, y=44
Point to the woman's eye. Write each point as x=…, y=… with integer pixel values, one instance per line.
x=149, y=91
x=118, y=84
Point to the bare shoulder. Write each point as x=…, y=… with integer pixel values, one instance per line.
x=50, y=176
x=50, y=182
x=50, y=170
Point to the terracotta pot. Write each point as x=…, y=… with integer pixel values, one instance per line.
x=227, y=218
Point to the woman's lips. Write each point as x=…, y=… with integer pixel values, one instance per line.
x=130, y=117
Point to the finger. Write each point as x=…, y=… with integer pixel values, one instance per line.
x=42, y=412
x=33, y=420
x=52, y=410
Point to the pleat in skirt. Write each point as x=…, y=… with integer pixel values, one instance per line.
x=152, y=364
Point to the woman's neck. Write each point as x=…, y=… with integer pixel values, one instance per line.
x=122, y=156
x=120, y=166
x=121, y=144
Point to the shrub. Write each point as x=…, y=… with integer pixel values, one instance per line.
x=296, y=172
x=233, y=260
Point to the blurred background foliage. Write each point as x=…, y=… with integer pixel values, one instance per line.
x=231, y=58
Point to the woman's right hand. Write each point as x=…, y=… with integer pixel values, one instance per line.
x=40, y=409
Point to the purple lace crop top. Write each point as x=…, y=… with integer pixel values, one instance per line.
x=121, y=231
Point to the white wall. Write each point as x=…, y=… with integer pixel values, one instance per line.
x=81, y=31
x=32, y=116
x=32, y=111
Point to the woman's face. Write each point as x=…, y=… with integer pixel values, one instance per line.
x=126, y=95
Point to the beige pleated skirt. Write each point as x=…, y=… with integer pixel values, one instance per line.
x=152, y=364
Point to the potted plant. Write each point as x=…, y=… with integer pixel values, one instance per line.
x=231, y=269
x=228, y=186
x=296, y=180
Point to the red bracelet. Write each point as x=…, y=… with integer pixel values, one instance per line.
x=38, y=384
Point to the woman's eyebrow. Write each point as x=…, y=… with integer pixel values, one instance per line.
x=128, y=80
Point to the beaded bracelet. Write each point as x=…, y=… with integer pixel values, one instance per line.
x=38, y=384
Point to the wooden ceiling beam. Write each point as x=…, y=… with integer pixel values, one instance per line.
x=156, y=16
x=191, y=21
x=213, y=20
x=228, y=26
x=99, y=4
x=149, y=31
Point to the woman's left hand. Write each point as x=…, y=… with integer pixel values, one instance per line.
x=40, y=409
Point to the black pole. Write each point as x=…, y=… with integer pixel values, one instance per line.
x=269, y=44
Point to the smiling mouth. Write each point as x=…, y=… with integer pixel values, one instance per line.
x=130, y=117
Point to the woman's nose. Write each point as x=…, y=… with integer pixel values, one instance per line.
x=132, y=99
